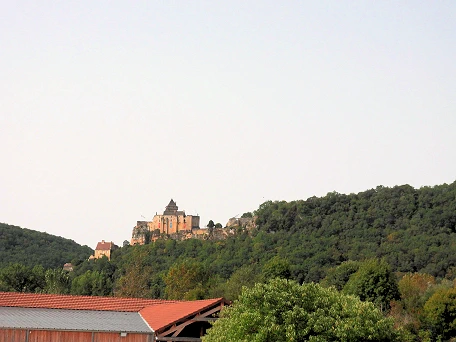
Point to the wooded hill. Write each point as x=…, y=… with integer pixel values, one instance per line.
x=395, y=247
x=30, y=248
x=414, y=229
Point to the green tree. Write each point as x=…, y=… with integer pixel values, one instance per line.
x=282, y=310
x=82, y=284
x=276, y=267
x=211, y=224
x=92, y=283
x=186, y=280
x=218, y=225
x=440, y=313
x=339, y=276
x=57, y=281
x=137, y=278
x=20, y=278
x=375, y=282
x=245, y=276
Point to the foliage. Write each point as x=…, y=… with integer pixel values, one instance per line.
x=30, y=248
x=283, y=310
x=91, y=283
x=20, y=278
x=375, y=282
x=247, y=215
x=186, y=280
x=440, y=313
x=245, y=276
x=338, y=276
x=413, y=288
x=277, y=267
x=413, y=229
x=57, y=281
x=211, y=224
x=136, y=280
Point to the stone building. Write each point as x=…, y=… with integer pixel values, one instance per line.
x=104, y=249
x=172, y=221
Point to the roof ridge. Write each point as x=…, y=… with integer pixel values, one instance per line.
x=77, y=302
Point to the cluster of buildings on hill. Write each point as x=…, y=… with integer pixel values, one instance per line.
x=172, y=222
x=176, y=224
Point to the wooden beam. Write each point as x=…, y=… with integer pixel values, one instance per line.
x=204, y=319
x=176, y=329
x=179, y=339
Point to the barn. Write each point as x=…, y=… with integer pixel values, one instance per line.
x=27, y=317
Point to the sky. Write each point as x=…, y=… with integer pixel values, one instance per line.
x=108, y=109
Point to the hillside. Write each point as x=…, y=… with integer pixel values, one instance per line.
x=413, y=229
x=31, y=248
x=393, y=246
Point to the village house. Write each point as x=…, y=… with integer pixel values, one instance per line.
x=104, y=249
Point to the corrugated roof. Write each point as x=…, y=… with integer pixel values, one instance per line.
x=164, y=315
x=77, y=320
x=51, y=301
x=158, y=314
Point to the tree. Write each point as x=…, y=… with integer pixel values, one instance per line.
x=136, y=280
x=339, y=276
x=245, y=276
x=211, y=224
x=247, y=215
x=282, y=310
x=375, y=282
x=413, y=287
x=218, y=225
x=20, y=278
x=185, y=280
x=440, y=313
x=82, y=285
x=57, y=281
x=276, y=267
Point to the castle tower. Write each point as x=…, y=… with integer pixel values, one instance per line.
x=173, y=221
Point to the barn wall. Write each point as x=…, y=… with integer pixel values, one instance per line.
x=59, y=336
x=19, y=335
x=115, y=337
x=12, y=335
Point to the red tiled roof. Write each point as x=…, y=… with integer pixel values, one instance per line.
x=170, y=313
x=50, y=301
x=104, y=246
x=157, y=313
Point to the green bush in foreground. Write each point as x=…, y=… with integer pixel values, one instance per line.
x=282, y=310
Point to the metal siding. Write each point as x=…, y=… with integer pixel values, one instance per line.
x=12, y=335
x=59, y=336
x=115, y=337
x=20, y=335
x=75, y=320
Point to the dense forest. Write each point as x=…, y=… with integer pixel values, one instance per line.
x=31, y=248
x=394, y=247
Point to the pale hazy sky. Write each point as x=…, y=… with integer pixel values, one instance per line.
x=111, y=108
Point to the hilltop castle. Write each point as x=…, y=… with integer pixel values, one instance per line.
x=172, y=221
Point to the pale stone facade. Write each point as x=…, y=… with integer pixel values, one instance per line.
x=172, y=221
x=104, y=249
